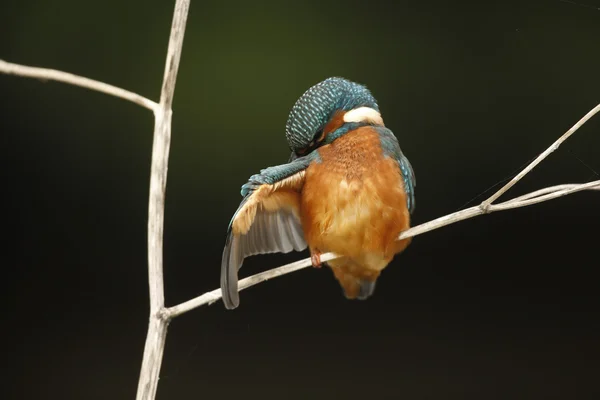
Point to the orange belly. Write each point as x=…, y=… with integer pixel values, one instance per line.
x=354, y=204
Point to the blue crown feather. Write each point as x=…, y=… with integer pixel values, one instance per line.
x=317, y=105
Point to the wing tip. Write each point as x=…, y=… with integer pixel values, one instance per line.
x=230, y=302
x=229, y=275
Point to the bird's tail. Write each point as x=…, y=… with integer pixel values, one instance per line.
x=356, y=281
x=367, y=288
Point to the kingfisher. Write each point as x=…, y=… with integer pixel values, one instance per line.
x=347, y=188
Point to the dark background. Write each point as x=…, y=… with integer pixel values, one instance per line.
x=500, y=306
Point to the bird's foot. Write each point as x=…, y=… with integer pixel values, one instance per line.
x=315, y=258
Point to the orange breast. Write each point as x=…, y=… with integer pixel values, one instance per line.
x=353, y=202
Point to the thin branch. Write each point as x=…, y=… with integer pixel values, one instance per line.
x=484, y=208
x=550, y=193
x=546, y=190
x=214, y=295
x=65, y=77
x=157, y=327
x=594, y=185
x=541, y=157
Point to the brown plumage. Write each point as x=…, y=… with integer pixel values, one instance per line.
x=284, y=194
x=353, y=203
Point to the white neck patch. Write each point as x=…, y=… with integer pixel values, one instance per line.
x=363, y=114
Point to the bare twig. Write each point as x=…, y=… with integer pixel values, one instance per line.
x=541, y=157
x=522, y=201
x=65, y=77
x=484, y=208
x=214, y=295
x=157, y=327
x=529, y=199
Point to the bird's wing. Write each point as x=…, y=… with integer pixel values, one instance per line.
x=391, y=148
x=267, y=221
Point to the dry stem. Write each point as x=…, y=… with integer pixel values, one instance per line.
x=157, y=326
x=541, y=157
x=521, y=201
x=65, y=77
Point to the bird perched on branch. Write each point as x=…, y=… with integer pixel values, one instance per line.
x=347, y=188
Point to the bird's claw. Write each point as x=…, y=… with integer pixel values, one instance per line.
x=315, y=258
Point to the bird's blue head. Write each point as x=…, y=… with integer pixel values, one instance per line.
x=325, y=110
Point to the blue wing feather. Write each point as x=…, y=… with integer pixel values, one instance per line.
x=391, y=148
x=271, y=232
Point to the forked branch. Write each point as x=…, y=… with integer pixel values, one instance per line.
x=157, y=326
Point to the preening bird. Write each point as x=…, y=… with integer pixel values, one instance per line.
x=347, y=188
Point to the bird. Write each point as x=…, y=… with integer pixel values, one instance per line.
x=347, y=188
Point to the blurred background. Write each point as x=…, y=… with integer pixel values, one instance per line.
x=504, y=305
